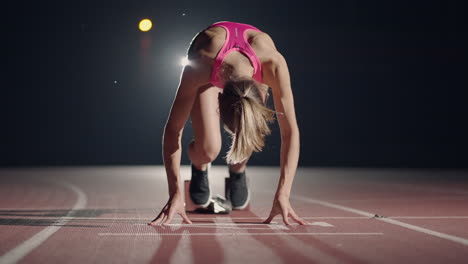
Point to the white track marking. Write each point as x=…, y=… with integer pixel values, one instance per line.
x=220, y=224
x=277, y=227
x=222, y=219
x=428, y=217
x=241, y=226
x=239, y=234
x=224, y=227
x=226, y=219
x=455, y=239
x=29, y=245
x=335, y=217
x=323, y=224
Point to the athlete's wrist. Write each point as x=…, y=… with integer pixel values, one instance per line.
x=282, y=194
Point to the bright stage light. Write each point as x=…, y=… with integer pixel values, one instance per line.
x=184, y=61
x=145, y=25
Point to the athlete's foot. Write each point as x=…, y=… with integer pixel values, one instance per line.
x=239, y=193
x=200, y=191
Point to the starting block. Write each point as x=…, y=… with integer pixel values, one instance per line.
x=218, y=204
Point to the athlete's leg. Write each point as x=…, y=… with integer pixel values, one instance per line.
x=238, y=167
x=206, y=129
x=239, y=193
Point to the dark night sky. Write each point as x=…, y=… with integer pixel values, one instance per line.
x=376, y=83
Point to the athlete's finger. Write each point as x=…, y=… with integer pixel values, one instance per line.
x=185, y=218
x=285, y=217
x=158, y=219
x=268, y=220
x=170, y=215
x=296, y=218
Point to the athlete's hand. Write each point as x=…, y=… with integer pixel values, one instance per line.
x=282, y=206
x=175, y=205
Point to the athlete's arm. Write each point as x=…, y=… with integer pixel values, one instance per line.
x=276, y=76
x=179, y=113
x=193, y=77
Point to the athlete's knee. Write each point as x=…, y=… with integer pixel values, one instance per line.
x=211, y=151
x=205, y=152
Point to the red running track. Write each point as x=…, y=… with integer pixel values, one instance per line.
x=99, y=214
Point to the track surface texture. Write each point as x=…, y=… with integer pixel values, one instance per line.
x=99, y=215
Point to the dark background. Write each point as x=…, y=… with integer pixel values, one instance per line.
x=376, y=83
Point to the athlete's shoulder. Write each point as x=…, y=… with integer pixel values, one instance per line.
x=199, y=42
x=264, y=41
x=205, y=45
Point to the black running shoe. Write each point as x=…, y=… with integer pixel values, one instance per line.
x=200, y=191
x=239, y=193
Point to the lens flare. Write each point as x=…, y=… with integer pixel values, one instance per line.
x=184, y=61
x=145, y=25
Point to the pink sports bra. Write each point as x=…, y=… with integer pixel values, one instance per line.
x=235, y=41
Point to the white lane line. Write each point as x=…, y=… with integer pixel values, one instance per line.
x=224, y=227
x=428, y=217
x=243, y=226
x=324, y=224
x=277, y=227
x=221, y=224
x=452, y=238
x=29, y=245
x=335, y=217
x=224, y=219
x=238, y=234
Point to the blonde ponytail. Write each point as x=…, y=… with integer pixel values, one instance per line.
x=245, y=117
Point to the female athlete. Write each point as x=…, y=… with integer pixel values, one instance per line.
x=231, y=68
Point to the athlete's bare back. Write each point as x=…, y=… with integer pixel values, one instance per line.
x=207, y=44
